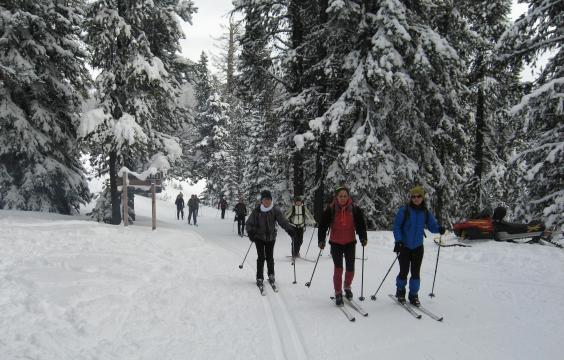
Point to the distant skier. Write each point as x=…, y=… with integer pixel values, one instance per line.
x=343, y=217
x=222, y=204
x=193, y=205
x=240, y=213
x=409, y=230
x=261, y=228
x=298, y=215
x=179, y=206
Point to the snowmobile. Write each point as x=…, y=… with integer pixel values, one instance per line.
x=493, y=227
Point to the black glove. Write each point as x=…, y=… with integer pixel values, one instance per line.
x=321, y=245
x=442, y=230
x=251, y=236
x=398, y=247
x=363, y=242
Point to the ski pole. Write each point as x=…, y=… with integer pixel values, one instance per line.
x=432, y=294
x=311, y=238
x=361, y=298
x=293, y=260
x=249, y=249
x=308, y=284
x=373, y=297
x=233, y=227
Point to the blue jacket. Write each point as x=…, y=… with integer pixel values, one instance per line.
x=411, y=235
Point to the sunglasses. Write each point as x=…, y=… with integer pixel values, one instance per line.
x=416, y=196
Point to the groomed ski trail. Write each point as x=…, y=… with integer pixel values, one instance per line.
x=285, y=334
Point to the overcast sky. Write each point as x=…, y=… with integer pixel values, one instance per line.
x=206, y=26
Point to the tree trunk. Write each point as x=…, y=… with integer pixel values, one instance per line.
x=116, y=202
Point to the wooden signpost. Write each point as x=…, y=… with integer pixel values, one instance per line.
x=152, y=183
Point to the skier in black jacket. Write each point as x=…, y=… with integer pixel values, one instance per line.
x=179, y=206
x=261, y=228
x=240, y=213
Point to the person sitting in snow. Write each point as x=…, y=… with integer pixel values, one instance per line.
x=409, y=230
x=343, y=217
x=261, y=228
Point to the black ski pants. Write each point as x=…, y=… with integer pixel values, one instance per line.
x=179, y=211
x=298, y=240
x=410, y=259
x=192, y=212
x=265, y=251
x=223, y=213
x=241, y=225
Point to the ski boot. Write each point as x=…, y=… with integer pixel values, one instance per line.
x=271, y=279
x=348, y=294
x=339, y=299
x=400, y=295
x=414, y=300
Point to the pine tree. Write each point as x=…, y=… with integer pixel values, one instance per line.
x=214, y=147
x=532, y=34
x=134, y=46
x=42, y=86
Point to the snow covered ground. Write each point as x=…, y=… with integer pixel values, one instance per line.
x=74, y=289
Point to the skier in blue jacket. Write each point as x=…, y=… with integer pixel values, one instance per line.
x=409, y=230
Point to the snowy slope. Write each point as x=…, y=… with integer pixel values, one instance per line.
x=75, y=289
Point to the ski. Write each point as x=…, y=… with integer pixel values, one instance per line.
x=345, y=311
x=273, y=286
x=357, y=307
x=427, y=312
x=301, y=258
x=353, y=304
x=406, y=307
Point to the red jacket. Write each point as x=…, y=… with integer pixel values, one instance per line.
x=343, y=221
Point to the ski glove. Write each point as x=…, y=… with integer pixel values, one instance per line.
x=321, y=245
x=251, y=236
x=397, y=247
x=442, y=230
x=363, y=242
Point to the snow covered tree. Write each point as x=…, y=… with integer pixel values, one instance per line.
x=213, y=147
x=384, y=134
x=135, y=45
x=202, y=87
x=534, y=33
x=42, y=86
x=256, y=86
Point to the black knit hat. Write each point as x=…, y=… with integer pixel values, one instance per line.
x=265, y=194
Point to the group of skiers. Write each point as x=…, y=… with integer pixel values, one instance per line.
x=193, y=205
x=343, y=220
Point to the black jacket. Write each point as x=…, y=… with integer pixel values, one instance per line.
x=262, y=225
x=240, y=210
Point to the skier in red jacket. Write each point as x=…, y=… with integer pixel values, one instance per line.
x=343, y=217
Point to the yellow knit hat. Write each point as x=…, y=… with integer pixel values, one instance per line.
x=418, y=190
